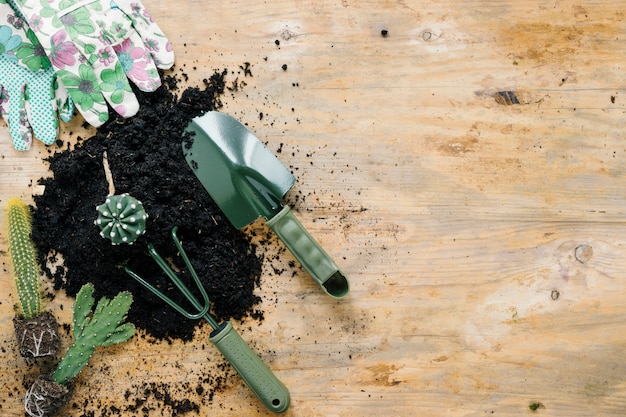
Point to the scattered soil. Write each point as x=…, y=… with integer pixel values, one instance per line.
x=145, y=157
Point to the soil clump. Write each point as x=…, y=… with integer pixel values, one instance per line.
x=145, y=157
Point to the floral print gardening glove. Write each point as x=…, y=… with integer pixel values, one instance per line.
x=30, y=96
x=96, y=46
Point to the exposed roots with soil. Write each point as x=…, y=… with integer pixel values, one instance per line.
x=45, y=397
x=37, y=337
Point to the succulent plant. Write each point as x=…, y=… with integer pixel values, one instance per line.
x=36, y=330
x=23, y=259
x=121, y=218
x=103, y=326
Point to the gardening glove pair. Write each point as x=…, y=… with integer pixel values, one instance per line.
x=30, y=96
x=96, y=46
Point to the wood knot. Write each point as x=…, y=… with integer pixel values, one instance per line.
x=583, y=253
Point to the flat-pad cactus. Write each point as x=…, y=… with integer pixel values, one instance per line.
x=121, y=218
x=103, y=326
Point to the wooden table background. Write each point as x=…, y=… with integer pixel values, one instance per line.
x=485, y=243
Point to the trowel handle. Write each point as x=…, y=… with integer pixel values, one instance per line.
x=251, y=368
x=309, y=253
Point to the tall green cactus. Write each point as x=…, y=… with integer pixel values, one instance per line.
x=23, y=259
x=103, y=326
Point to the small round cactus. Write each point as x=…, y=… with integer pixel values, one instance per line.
x=121, y=218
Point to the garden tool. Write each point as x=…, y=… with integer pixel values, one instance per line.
x=247, y=182
x=31, y=99
x=250, y=367
x=96, y=46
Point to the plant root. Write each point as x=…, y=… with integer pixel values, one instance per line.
x=37, y=337
x=45, y=397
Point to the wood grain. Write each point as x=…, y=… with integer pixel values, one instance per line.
x=456, y=218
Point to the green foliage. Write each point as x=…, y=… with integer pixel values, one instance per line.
x=121, y=218
x=23, y=259
x=103, y=326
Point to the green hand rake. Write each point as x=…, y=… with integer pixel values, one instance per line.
x=248, y=365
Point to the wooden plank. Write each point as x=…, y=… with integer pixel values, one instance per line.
x=457, y=218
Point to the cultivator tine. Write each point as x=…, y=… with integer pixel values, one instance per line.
x=201, y=307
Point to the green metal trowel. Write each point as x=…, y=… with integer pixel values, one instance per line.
x=247, y=182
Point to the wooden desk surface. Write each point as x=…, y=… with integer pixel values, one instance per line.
x=468, y=296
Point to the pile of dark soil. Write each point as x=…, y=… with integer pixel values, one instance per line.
x=145, y=157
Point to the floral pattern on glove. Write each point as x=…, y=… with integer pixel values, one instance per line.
x=97, y=47
x=62, y=52
x=8, y=43
x=31, y=98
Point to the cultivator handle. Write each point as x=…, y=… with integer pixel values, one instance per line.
x=251, y=368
